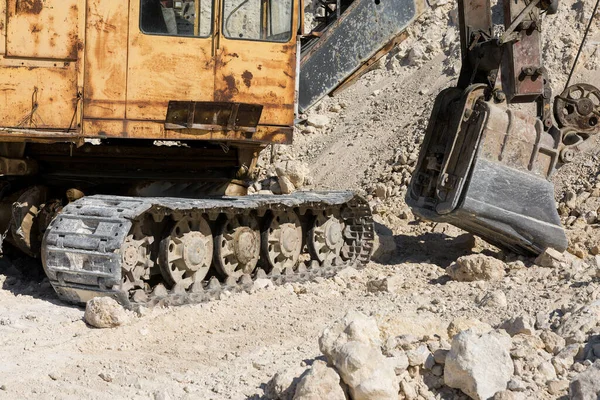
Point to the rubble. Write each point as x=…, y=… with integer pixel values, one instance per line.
x=583, y=321
x=479, y=364
x=476, y=267
x=518, y=325
x=353, y=347
x=586, y=385
x=462, y=324
x=550, y=258
x=283, y=384
x=318, y=121
x=105, y=312
x=320, y=382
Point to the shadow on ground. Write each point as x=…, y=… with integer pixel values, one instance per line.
x=24, y=276
x=434, y=248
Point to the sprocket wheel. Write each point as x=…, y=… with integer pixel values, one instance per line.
x=237, y=246
x=579, y=107
x=326, y=237
x=282, y=240
x=136, y=258
x=186, y=254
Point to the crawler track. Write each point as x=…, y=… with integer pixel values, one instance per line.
x=126, y=247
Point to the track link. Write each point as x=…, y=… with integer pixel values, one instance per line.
x=87, y=245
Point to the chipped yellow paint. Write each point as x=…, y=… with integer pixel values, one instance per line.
x=258, y=72
x=106, y=58
x=2, y=26
x=157, y=131
x=56, y=49
x=42, y=29
x=37, y=96
x=163, y=68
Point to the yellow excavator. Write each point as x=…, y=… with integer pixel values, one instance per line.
x=130, y=132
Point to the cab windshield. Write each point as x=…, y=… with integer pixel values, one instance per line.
x=264, y=20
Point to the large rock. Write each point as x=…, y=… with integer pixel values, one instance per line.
x=321, y=382
x=295, y=172
x=283, y=384
x=553, y=343
x=550, y=258
x=355, y=326
x=582, y=322
x=353, y=346
x=476, y=267
x=105, y=312
x=586, y=385
x=391, y=284
x=479, y=364
x=522, y=324
x=318, y=121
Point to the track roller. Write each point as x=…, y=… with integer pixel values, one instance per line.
x=136, y=259
x=326, y=237
x=237, y=245
x=186, y=254
x=282, y=240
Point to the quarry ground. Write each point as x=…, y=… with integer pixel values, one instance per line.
x=231, y=348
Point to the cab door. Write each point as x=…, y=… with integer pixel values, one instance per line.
x=256, y=56
x=170, y=55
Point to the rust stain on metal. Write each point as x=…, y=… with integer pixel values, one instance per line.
x=247, y=77
x=229, y=92
x=30, y=6
x=129, y=77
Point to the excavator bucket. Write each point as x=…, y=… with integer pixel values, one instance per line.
x=485, y=168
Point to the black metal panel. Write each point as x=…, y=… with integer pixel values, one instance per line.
x=211, y=116
x=364, y=28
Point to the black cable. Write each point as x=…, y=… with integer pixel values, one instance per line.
x=582, y=44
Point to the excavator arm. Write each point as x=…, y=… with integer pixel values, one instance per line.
x=486, y=165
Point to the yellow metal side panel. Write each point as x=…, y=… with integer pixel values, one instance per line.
x=106, y=59
x=37, y=96
x=42, y=29
x=163, y=68
x=2, y=26
x=156, y=130
x=258, y=72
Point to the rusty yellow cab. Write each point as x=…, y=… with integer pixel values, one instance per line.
x=104, y=92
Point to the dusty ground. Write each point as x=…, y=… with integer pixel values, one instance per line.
x=229, y=349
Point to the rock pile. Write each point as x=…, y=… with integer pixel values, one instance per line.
x=283, y=177
x=513, y=361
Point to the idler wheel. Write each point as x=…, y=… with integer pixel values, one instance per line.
x=237, y=246
x=282, y=240
x=186, y=254
x=136, y=258
x=326, y=237
x=579, y=107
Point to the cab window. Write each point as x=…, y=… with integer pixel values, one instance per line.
x=264, y=20
x=177, y=17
